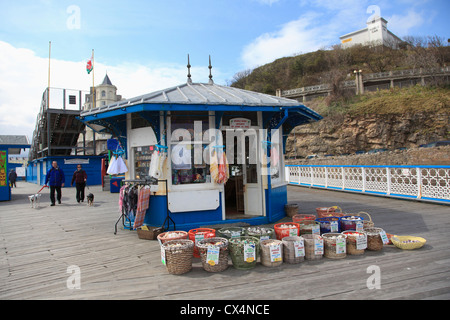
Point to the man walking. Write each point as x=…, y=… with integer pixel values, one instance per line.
x=80, y=177
x=55, y=179
x=12, y=178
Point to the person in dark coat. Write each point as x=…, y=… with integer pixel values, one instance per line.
x=55, y=179
x=79, y=177
x=12, y=178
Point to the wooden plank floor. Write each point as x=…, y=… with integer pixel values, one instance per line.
x=38, y=245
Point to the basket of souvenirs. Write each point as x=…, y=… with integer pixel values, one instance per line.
x=356, y=242
x=286, y=229
x=244, y=252
x=408, y=242
x=199, y=234
x=262, y=233
x=329, y=224
x=309, y=227
x=213, y=253
x=172, y=235
x=291, y=209
x=334, y=211
x=335, y=245
x=293, y=249
x=300, y=217
x=148, y=232
x=271, y=252
x=177, y=255
x=352, y=222
x=367, y=223
x=231, y=232
x=313, y=246
x=376, y=238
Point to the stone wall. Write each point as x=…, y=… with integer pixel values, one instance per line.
x=345, y=134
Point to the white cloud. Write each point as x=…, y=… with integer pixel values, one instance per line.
x=401, y=25
x=321, y=24
x=293, y=37
x=24, y=78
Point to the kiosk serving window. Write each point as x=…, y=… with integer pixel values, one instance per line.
x=188, y=140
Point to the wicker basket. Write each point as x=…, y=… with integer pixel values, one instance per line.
x=301, y=217
x=309, y=227
x=231, y=232
x=291, y=209
x=149, y=234
x=262, y=233
x=310, y=249
x=222, y=245
x=352, y=245
x=367, y=223
x=323, y=212
x=408, y=242
x=178, y=255
x=271, y=253
x=237, y=247
x=330, y=249
x=374, y=240
x=172, y=235
x=289, y=251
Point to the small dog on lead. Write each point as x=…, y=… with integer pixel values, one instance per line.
x=35, y=199
x=90, y=199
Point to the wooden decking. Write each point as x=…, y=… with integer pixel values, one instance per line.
x=38, y=245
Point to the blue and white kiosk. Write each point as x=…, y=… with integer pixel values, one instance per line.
x=250, y=127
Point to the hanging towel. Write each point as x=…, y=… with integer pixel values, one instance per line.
x=143, y=202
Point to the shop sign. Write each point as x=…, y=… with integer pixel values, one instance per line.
x=240, y=123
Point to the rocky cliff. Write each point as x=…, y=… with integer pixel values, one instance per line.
x=346, y=134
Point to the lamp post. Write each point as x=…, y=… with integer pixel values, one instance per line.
x=359, y=82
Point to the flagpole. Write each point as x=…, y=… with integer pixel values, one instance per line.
x=48, y=84
x=93, y=83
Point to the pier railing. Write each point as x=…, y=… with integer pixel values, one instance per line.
x=425, y=183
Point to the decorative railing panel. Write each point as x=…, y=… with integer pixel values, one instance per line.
x=426, y=183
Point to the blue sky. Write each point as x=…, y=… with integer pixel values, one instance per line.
x=143, y=44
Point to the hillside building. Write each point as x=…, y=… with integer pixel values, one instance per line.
x=376, y=33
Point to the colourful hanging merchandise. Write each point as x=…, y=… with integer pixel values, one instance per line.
x=219, y=168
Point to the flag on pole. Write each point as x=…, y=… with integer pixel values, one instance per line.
x=89, y=66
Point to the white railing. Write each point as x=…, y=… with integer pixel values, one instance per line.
x=426, y=183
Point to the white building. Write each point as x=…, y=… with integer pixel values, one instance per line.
x=376, y=33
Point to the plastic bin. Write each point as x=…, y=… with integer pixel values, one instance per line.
x=286, y=229
x=329, y=224
x=199, y=234
x=350, y=222
x=114, y=185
